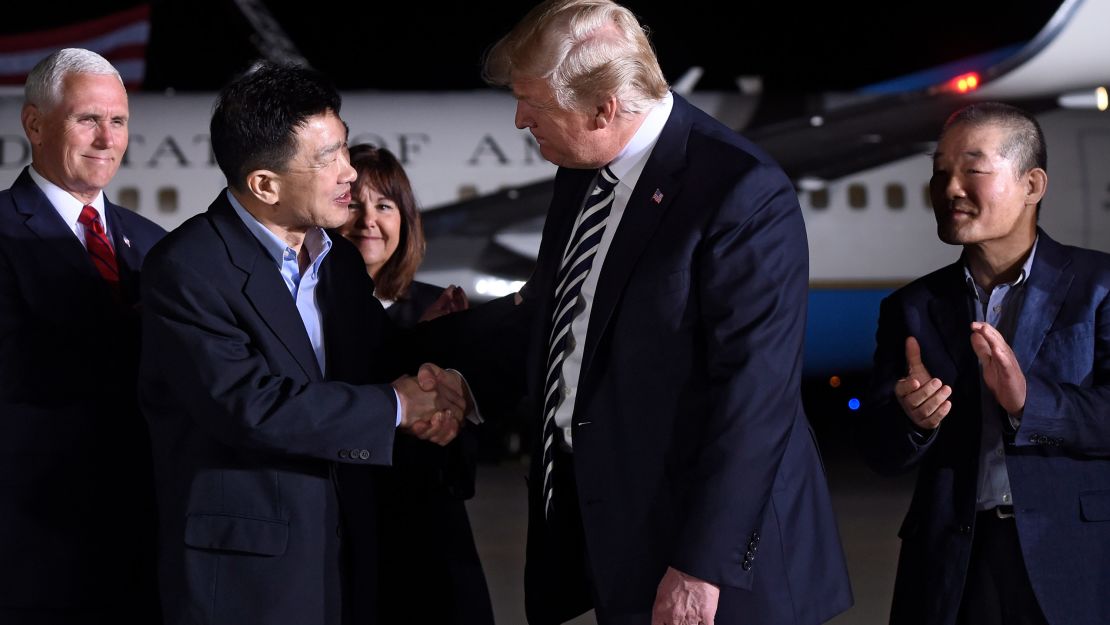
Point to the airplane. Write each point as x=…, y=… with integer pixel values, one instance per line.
x=860, y=166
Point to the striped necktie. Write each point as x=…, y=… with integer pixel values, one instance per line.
x=100, y=249
x=577, y=260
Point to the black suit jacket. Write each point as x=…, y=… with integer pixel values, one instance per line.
x=76, y=497
x=691, y=448
x=1058, y=460
x=247, y=431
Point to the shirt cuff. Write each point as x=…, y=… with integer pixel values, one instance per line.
x=474, y=415
x=397, y=396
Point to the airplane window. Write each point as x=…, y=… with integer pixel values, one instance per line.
x=819, y=198
x=895, y=196
x=167, y=200
x=857, y=196
x=128, y=197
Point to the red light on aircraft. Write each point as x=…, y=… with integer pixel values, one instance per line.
x=965, y=82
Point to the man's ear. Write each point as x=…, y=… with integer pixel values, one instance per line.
x=265, y=185
x=31, y=118
x=606, y=112
x=1036, y=184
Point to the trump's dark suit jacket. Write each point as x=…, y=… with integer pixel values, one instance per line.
x=76, y=498
x=691, y=448
x=247, y=430
x=1058, y=460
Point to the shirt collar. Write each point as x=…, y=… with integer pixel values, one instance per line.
x=1026, y=268
x=316, y=241
x=628, y=165
x=67, y=206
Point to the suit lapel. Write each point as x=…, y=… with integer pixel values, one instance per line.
x=264, y=287
x=659, y=184
x=1044, y=296
x=45, y=222
x=570, y=190
x=127, y=255
x=952, y=319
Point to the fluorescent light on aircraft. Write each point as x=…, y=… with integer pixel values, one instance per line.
x=496, y=287
x=1103, y=101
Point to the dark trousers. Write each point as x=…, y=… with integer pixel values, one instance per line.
x=997, y=590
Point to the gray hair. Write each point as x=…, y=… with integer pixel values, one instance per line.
x=585, y=50
x=43, y=88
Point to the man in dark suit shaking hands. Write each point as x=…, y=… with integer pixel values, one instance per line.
x=992, y=378
x=675, y=478
x=76, y=496
x=266, y=364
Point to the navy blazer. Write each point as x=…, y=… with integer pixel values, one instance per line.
x=247, y=430
x=691, y=448
x=1058, y=460
x=76, y=496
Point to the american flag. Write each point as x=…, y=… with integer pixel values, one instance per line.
x=657, y=197
x=120, y=37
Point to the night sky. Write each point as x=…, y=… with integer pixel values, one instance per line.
x=798, y=47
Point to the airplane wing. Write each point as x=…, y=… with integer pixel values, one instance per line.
x=901, y=117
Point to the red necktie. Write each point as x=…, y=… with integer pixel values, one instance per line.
x=100, y=250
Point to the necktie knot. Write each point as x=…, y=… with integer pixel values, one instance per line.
x=91, y=219
x=606, y=181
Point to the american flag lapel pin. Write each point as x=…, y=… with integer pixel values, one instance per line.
x=657, y=197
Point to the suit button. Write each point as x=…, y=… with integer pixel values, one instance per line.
x=749, y=556
x=343, y=453
x=965, y=529
x=746, y=565
x=1036, y=439
x=364, y=454
x=755, y=537
x=753, y=547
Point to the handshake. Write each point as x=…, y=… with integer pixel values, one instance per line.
x=433, y=403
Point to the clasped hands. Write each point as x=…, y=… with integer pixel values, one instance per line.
x=925, y=398
x=433, y=403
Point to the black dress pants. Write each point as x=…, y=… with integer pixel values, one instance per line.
x=997, y=590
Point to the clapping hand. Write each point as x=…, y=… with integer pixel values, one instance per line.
x=1001, y=370
x=452, y=299
x=923, y=397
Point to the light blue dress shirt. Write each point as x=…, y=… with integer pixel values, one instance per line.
x=1000, y=308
